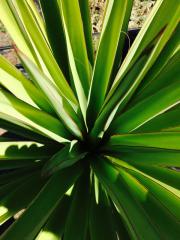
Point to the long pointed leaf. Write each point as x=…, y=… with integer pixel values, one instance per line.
x=164, y=122
x=148, y=109
x=159, y=45
x=44, y=52
x=24, y=115
x=64, y=158
x=55, y=32
x=167, y=76
x=48, y=198
x=133, y=215
x=101, y=74
x=85, y=14
x=20, y=197
x=70, y=10
x=54, y=228
x=80, y=197
x=61, y=106
x=165, y=223
x=164, y=177
x=22, y=88
x=150, y=30
x=22, y=132
x=18, y=33
x=101, y=220
x=165, y=140
x=109, y=111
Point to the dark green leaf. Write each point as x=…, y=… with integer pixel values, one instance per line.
x=55, y=32
x=64, y=158
x=165, y=140
x=48, y=198
x=77, y=220
x=54, y=228
x=101, y=220
x=86, y=18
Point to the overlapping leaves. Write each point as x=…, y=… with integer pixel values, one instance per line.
x=96, y=153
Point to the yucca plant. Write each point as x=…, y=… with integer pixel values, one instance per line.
x=98, y=150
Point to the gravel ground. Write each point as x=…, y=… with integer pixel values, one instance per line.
x=140, y=11
x=5, y=40
x=2, y=131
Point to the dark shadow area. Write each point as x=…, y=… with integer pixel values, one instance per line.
x=129, y=41
x=5, y=225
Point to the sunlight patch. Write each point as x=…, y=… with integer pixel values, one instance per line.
x=70, y=190
x=47, y=236
x=3, y=210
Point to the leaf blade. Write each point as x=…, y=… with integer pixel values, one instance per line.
x=47, y=200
